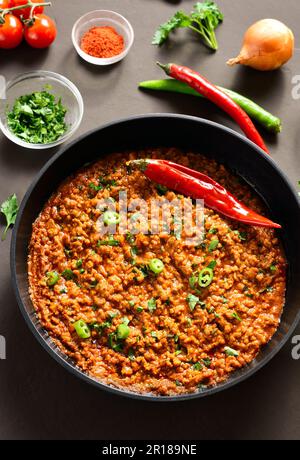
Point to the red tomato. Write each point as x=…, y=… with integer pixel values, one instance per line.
x=25, y=12
x=5, y=4
x=42, y=33
x=11, y=32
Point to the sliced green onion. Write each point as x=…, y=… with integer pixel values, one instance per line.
x=52, y=278
x=82, y=329
x=111, y=218
x=156, y=266
x=205, y=277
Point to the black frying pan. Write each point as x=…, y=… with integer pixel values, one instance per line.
x=216, y=141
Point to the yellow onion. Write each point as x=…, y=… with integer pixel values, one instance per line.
x=268, y=44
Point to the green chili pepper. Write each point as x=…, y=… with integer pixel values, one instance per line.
x=156, y=266
x=52, y=278
x=266, y=119
x=82, y=329
x=111, y=218
x=205, y=277
x=123, y=331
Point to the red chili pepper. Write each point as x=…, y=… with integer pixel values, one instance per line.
x=196, y=185
x=214, y=94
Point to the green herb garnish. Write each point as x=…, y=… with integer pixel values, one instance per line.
x=10, y=210
x=152, y=305
x=204, y=19
x=37, y=118
x=213, y=231
x=197, y=366
x=212, y=264
x=206, y=362
x=68, y=275
x=242, y=235
x=131, y=355
x=236, y=316
x=161, y=189
x=79, y=263
x=95, y=187
x=192, y=281
x=231, y=352
x=193, y=301
x=130, y=238
x=213, y=245
x=110, y=242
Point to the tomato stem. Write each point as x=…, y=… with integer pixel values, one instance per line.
x=29, y=4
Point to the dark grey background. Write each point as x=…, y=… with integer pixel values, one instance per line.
x=38, y=398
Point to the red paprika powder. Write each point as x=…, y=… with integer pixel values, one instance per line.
x=102, y=42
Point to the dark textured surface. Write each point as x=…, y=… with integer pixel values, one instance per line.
x=38, y=398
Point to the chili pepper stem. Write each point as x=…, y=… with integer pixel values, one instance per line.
x=165, y=67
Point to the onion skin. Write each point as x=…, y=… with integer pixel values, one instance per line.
x=268, y=44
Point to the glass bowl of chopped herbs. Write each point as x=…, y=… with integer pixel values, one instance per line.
x=40, y=109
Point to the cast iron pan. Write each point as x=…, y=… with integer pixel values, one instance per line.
x=215, y=141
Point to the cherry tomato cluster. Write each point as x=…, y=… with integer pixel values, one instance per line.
x=28, y=22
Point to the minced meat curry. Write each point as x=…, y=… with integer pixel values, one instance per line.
x=128, y=309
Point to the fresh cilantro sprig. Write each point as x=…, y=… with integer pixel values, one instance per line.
x=10, y=210
x=204, y=19
x=37, y=118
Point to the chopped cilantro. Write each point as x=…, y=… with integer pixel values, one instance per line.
x=37, y=118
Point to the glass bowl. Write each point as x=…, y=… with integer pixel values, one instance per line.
x=39, y=80
x=100, y=18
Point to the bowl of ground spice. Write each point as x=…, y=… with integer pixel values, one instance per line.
x=102, y=37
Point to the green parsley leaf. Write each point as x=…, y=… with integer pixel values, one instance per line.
x=197, y=366
x=213, y=231
x=193, y=301
x=180, y=19
x=79, y=263
x=213, y=245
x=152, y=305
x=109, y=242
x=10, y=210
x=231, y=352
x=95, y=187
x=192, y=281
x=161, y=189
x=203, y=20
x=212, y=264
x=206, y=362
x=236, y=316
x=68, y=275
